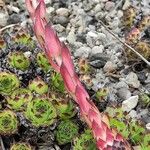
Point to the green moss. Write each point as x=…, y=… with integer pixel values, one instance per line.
x=20, y=146
x=85, y=142
x=8, y=83
x=38, y=86
x=19, y=98
x=43, y=62
x=66, y=131
x=40, y=112
x=18, y=61
x=8, y=122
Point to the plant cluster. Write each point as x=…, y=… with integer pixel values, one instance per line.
x=8, y=83
x=129, y=128
x=18, y=60
x=134, y=37
x=20, y=146
x=40, y=112
x=84, y=67
x=85, y=142
x=8, y=122
x=66, y=131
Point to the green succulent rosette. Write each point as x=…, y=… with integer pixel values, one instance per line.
x=66, y=131
x=24, y=39
x=65, y=109
x=18, y=60
x=8, y=122
x=85, y=142
x=20, y=146
x=8, y=83
x=38, y=85
x=19, y=98
x=40, y=112
x=43, y=62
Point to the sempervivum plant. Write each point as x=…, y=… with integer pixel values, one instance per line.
x=66, y=131
x=19, y=98
x=18, y=60
x=65, y=109
x=20, y=146
x=43, y=62
x=8, y=122
x=85, y=142
x=24, y=39
x=38, y=85
x=40, y=112
x=8, y=83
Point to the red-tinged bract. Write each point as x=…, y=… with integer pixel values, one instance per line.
x=60, y=58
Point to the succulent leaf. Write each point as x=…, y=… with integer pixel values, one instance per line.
x=8, y=122
x=40, y=112
x=8, y=83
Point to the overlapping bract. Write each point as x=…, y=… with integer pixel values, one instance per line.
x=60, y=58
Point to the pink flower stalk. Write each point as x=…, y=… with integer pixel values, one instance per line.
x=60, y=58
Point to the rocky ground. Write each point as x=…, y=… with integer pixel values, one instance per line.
x=77, y=22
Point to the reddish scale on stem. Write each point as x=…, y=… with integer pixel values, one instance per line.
x=60, y=58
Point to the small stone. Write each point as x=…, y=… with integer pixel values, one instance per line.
x=71, y=37
x=120, y=14
x=97, y=8
x=132, y=114
x=82, y=52
x=130, y=103
x=122, y=84
x=98, y=60
x=50, y=10
x=59, y=28
x=109, y=5
x=61, y=20
x=148, y=126
x=132, y=80
x=62, y=12
x=27, y=54
x=92, y=34
x=110, y=67
x=3, y=18
x=14, y=18
x=97, y=49
x=124, y=93
x=126, y=5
